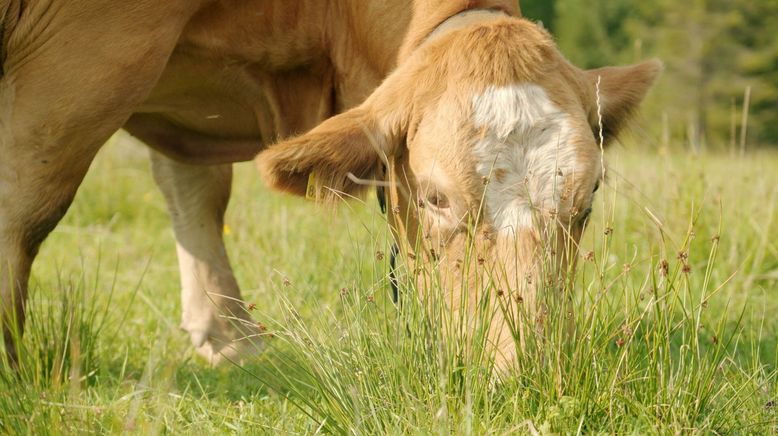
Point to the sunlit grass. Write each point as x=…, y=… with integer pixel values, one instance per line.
x=675, y=305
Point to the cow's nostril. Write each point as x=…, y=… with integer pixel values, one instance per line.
x=584, y=215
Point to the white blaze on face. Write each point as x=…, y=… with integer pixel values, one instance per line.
x=522, y=148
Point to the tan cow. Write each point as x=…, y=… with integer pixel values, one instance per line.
x=471, y=93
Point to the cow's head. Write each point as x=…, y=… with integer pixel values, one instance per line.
x=495, y=141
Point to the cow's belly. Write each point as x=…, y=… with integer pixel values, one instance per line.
x=209, y=110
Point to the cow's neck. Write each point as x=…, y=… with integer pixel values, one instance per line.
x=380, y=34
x=428, y=15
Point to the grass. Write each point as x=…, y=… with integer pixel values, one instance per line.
x=675, y=305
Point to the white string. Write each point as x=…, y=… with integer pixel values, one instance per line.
x=599, y=125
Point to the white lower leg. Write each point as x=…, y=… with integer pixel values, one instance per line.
x=213, y=311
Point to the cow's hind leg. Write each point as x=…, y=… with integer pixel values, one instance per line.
x=32, y=201
x=213, y=312
x=72, y=76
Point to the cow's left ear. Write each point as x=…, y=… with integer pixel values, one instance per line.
x=621, y=90
x=318, y=163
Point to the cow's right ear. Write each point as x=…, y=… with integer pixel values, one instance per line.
x=319, y=162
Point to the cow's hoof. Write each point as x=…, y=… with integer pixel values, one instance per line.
x=238, y=351
x=234, y=345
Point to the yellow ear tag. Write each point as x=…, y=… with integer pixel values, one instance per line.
x=310, y=191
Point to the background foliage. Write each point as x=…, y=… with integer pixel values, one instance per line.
x=713, y=50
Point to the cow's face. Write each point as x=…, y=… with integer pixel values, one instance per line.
x=494, y=144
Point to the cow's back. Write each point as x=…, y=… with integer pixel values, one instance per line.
x=259, y=70
x=9, y=16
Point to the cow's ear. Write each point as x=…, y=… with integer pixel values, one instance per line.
x=621, y=90
x=325, y=162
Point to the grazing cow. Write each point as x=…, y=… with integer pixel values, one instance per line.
x=469, y=92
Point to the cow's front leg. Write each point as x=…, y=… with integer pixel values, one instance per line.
x=213, y=311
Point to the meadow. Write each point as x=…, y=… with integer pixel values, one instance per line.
x=676, y=314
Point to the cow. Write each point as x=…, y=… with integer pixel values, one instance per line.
x=450, y=102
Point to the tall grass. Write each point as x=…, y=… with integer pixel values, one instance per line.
x=647, y=353
x=674, y=310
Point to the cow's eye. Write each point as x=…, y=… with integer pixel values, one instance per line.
x=437, y=200
x=596, y=186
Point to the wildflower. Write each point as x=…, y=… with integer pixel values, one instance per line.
x=370, y=299
x=620, y=342
x=252, y=306
x=287, y=283
x=379, y=255
x=589, y=257
x=715, y=340
x=608, y=231
x=227, y=230
x=343, y=292
x=627, y=267
x=683, y=255
x=715, y=238
x=262, y=328
x=687, y=269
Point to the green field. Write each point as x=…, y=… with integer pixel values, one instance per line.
x=690, y=347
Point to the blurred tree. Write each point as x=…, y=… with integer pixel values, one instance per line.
x=713, y=49
x=592, y=33
x=540, y=10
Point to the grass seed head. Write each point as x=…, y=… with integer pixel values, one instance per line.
x=664, y=268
